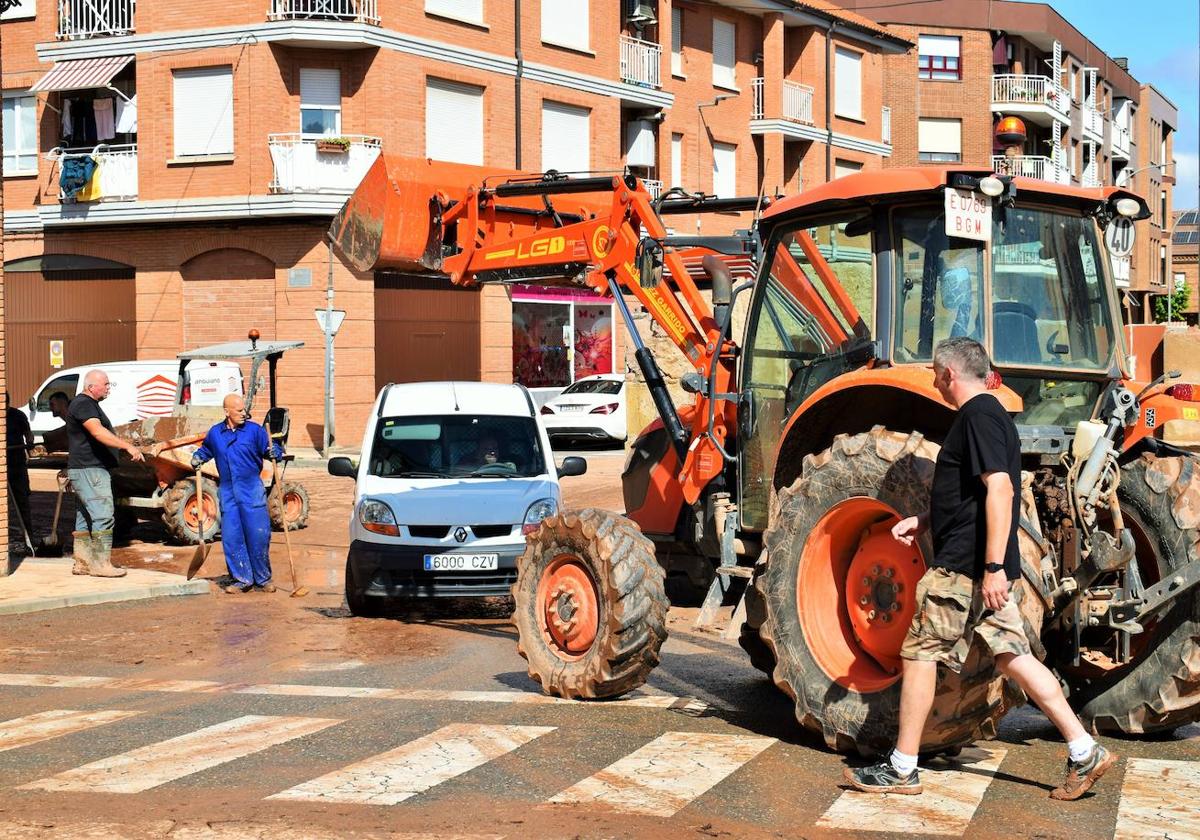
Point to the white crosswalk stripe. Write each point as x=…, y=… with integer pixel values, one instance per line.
x=23, y=731
x=665, y=775
x=416, y=766
x=1159, y=799
x=150, y=766
x=946, y=807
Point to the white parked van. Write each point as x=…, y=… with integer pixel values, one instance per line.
x=139, y=389
x=451, y=478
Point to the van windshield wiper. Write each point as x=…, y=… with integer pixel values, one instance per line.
x=421, y=474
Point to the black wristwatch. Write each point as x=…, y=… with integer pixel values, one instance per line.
x=993, y=567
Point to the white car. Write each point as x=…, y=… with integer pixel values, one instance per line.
x=452, y=477
x=592, y=408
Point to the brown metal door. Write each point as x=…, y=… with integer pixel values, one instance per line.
x=425, y=330
x=95, y=320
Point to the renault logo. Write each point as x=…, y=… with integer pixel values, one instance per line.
x=460, y=534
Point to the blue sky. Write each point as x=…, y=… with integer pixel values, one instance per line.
x=1162, y=40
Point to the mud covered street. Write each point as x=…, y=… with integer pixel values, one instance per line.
x=222, y=716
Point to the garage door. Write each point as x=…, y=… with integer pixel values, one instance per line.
x=86, y=303
x=425, y=331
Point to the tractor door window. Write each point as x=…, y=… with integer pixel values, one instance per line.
x=940, y=285
x=816, y=302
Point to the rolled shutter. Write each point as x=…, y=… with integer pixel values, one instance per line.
x=724, y=170
x=565, y=22
x=640, y=148
x=943, y=45
x=203, y=105
x=676, y=160
x=939, y=136
x=724, y=53
x=566, y=137
x=453, y=122
x=320, y=88
x=848, y=81
x=677, y=41
x=462, y=9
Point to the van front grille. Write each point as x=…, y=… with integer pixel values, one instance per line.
x=485, y=531
x=429, y=532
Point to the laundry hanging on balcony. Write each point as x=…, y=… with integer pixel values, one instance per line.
x=105, y=119
x=78, y=123
x=77, y=177
x=127, y=115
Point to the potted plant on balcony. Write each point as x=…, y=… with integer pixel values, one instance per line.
x=333, y=145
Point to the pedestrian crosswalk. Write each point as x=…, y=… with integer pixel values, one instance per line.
x=659, y=776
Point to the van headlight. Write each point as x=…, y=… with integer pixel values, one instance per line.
x=538, y=511
x=378, y=518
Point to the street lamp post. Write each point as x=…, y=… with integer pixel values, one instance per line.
x=1126, y=174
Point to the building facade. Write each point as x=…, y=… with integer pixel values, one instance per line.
x=1185, y=259
x=1089, y=122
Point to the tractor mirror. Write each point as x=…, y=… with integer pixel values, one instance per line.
x=32, y=407
x=343, y=467
x=649, y=263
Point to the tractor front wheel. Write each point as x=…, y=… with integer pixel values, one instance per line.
x=182, y=513
x=590, y=607
x=295, y=507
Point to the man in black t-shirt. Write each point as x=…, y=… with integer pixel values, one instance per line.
x=20, y=441
x=90, y=457
x=974, y=511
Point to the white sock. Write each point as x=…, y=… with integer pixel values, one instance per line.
x=1081, y=747
x=904, y=764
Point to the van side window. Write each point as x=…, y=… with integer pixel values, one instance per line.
x=68, y=384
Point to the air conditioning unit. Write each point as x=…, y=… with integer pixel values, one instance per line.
x=641, y=12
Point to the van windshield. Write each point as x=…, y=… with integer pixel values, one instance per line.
x=435, y=446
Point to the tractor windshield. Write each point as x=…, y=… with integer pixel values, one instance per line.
x=1049, y=304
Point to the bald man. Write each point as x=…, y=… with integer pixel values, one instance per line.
x=91, y=456
x=239, y=446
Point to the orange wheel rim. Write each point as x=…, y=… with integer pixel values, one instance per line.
x=855, y=592
x=568, y=607
x=293, y=505
x=190, y=512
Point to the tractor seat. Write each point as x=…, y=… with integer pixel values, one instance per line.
x=1016, y=333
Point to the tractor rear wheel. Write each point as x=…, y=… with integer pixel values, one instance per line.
x=839, y=597
x=590, y=607
x=1159, y=689
x=295, y=507
x=181, y=513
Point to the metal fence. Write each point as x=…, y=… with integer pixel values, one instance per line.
x=91, y=18
x=356, y=11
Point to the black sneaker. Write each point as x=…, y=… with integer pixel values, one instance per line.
x=883, y=778
x=1081, y=775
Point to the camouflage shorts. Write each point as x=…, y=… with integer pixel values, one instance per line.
x=950, y=616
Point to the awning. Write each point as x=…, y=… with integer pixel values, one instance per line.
x=83, y=73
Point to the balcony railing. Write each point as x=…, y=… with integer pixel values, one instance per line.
x=1031, y=166
x=640, y=62
x=115, y=178
x=885, y=126
x=1121, y=140
x=94, y=18
x=1010, y=89
x=354, y=11
x=1093, y=121
x=797, y=101
x=653, y=187
x=301, y=168
x=1091, y=177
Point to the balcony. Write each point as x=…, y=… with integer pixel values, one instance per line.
x=79, y=19
x=1093, y=123
x=797, y=102
x=351, y=11
x=640, y=62
x=1091, y=178
x=1037, y=97
x=885, y=126
x=653, y=187
x=114, y=179
x=1122, y=142
x=1031, y=166
x=300, y=167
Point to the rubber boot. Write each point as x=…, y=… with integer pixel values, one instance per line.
x=81, y=552
x=100, y=558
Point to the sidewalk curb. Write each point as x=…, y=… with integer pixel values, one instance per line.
x=122, y=591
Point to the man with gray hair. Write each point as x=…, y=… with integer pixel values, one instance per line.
x=91, y=456
x=966, y=595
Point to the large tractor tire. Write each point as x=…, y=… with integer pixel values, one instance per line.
x=590, y=607
x=1159, y=689
x=295, y=507
x=750, y=638
x=839, y=597
x=181, y=512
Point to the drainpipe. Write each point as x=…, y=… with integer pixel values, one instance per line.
x=520, y=56
x=832, y=25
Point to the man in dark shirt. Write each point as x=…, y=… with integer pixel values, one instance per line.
x=90, y=457
x=20, y=440
x=974, y=510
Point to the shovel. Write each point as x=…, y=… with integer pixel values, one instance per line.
x=50, y=546
x=297, y=591
x=199, y=555
x=21, y=519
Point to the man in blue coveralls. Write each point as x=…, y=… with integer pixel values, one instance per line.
x=239, y=446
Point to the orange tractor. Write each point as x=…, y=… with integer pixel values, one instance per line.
x=810, y=436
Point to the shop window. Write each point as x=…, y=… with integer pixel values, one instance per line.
x=559, y=337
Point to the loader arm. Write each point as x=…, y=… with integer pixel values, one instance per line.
x=477, y=226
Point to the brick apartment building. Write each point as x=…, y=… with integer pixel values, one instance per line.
x=207, y=214
x=1089, y=122
x=1185, y=259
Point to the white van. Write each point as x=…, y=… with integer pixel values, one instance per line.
x=139, y=389
x=452, y=477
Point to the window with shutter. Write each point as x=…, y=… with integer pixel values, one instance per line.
x=842, y=168
x=203, y=103
x=566, y=137
x=470, y=11
x=640, y=146
x=20, y=133
x=939, y=140
x=847, y=78
x=938, y=57
x=676, y=42
x=724, y=53
x=320, y=101
x=453, y=122
x=565, y=23
x=724, y=170
x=676, y=160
